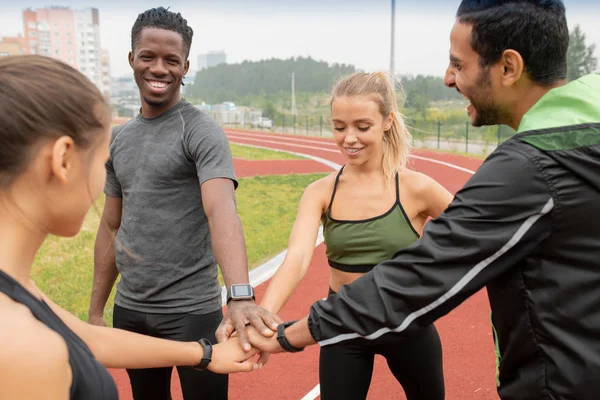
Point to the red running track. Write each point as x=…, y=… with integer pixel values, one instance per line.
x=245, y=168
x=469, y=364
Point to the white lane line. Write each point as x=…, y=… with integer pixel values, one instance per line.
x=431, y=160
x=313, y=394
x=445, y=164
x=330, y=164
x=284, y=139
x=316, y=391
x=265, y=271
x=282, y=143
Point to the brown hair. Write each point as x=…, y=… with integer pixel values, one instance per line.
x=396, y=140
x=41, y=97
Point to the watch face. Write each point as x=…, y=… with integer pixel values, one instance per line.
x=241, y=291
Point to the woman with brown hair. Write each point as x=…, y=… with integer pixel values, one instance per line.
x=54, y=140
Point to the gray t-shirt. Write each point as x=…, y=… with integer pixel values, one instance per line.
x=163, y=247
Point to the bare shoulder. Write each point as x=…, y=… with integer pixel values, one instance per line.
x=428, y=195
x=417, y=183
x=321, y=189
x=36, y=363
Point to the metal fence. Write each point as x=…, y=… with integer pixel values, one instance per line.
x=458, y=137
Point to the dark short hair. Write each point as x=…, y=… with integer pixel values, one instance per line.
x=537, y=29
x=162, y=18
x=41, y=97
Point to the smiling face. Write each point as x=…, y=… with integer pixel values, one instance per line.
x=358, y=128
x=470, y=79
x=159, y=64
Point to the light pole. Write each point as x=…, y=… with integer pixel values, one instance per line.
x=392, y=73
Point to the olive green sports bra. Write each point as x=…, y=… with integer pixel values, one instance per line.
x=359, y=245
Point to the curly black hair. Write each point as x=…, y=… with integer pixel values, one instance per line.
x=162, y=18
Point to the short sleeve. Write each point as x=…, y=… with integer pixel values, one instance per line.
x=207, y=146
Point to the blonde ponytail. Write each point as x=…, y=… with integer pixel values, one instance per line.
x=396, y=146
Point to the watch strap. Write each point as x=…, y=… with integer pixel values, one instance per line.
x=206, y=356
x=283, y=342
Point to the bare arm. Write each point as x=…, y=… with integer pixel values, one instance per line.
x=226, y=233
x=493, y=223
x=229, y=246
x=435, y=198
x=117, y=348
x=300, y=250
x=105, y=267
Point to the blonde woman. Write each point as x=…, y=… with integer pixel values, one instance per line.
x=370, y=209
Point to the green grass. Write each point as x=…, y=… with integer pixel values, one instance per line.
x=252, y=153
x=267, y=206
x=63, y=268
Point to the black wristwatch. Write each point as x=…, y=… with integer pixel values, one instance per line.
x=283, y=342
x=206, y=356
x=240, y=292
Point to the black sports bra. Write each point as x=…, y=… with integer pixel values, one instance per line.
x=91, y=381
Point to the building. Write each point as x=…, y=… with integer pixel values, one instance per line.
x=72, y=36
x=105, y=72
x=10, y=49
x=51, y=32
x=211, y=59
x=125, y=88
x=89, y=51
x=124, y=96
x=12, y=46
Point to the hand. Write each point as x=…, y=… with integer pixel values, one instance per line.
x=263, y=356
x=96, y=319
x=241, y=313
x=229, y=357
x=264, y=344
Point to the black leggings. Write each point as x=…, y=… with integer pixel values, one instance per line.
x=155, y=383
x=345, y=369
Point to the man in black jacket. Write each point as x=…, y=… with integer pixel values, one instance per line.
x=522, y=226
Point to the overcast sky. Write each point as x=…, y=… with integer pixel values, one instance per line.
x=344, y=31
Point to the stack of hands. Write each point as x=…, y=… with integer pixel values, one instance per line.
x=247, y=336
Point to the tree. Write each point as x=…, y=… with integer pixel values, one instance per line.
x=580, y=58
x=269, y=110
x=233, y=82
x=419, y=103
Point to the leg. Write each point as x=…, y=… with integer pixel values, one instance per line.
x=345, y=371
x=416, y=362
x=191, y=327
x=150, y=383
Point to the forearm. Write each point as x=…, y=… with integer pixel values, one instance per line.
x=419, y=285
x=229, y=244
x=116, y=348
x=105, y=270
x=492, y=224
x=283, y=283
x=299, y=334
